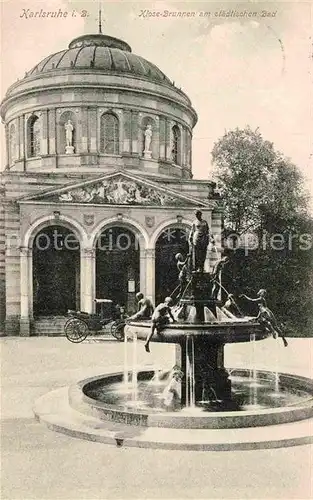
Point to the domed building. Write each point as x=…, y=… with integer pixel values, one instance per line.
x=97, y=194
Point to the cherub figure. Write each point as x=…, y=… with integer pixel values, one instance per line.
x=161, y=317
x=231, y=306
x=182, y=266
x=216, y=278
x=265, y=316
x=145, y=308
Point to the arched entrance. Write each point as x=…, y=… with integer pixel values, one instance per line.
x=171, y=241
x=118, y=266
x=56, y=271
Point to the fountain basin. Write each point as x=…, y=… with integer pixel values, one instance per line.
x=82, y=398
x=216, y=332
x=202, y=350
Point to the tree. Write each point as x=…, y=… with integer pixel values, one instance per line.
x=255, y=180
x=264, y=196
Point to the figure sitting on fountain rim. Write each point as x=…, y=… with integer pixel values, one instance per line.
x=145, y=308
x=265, y=316
x=160, y=318
x=199, y=238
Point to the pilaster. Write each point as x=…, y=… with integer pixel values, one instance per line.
x=52, y=132
x=92, y=118
x=87, y=279
x=149, y=255
x=45, y=125
x=84, y=130
x=162, y=138
x=25, y=290
x=134, y=132
x=125, y=126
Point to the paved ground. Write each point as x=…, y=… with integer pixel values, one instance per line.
x=40, y=464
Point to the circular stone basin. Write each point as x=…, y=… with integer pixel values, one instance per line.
x=258, y=399
x=227, y=332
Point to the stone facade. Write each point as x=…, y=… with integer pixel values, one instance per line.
x=104, y=173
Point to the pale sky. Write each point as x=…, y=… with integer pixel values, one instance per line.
x=237, y=71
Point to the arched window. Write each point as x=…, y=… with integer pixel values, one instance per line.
x=109, y=134
x=12, y=144
x=34, y=136
x=176, y=145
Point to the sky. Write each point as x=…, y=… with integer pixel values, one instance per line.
x=237, y=70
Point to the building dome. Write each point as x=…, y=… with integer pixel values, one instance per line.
x=102, y=53
x=96, y=105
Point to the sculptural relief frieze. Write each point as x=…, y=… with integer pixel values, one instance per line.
x=118, y=191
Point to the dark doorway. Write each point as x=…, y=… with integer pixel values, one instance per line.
x=170, y=242
x=56, y=271
x=117, y=267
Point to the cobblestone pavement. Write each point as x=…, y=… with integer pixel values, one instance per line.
x=41, y=464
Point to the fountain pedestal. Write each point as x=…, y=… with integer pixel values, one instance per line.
x=209, y=381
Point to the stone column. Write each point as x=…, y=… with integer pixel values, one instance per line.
x=169, y=139
x=134, y=132
x=21, y=122
x=92, y=118
x=185, y=139
x=17, y=138
x=87, y=279
x=182, y=142
x=44, y=143
x=162, y=142
x=84, y=131
x=52, y=132
x=150, y=273
x=142, y=270
x=26, y=136
x=125, y=127
x=156, y=139
x=30, y=285
x=25, y=258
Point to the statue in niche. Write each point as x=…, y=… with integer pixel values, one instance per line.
x=148, y=139
x=69, y=129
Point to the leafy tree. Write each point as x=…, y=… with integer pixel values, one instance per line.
x=255, y=180
x=264, y=196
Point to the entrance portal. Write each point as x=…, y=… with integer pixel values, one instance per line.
x=170, y=242
x=117, y=267
x=56, y=271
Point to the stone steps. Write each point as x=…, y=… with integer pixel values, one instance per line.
x=49, y=326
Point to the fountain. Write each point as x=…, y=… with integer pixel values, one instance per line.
x=124, y=405
x=201, y=329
